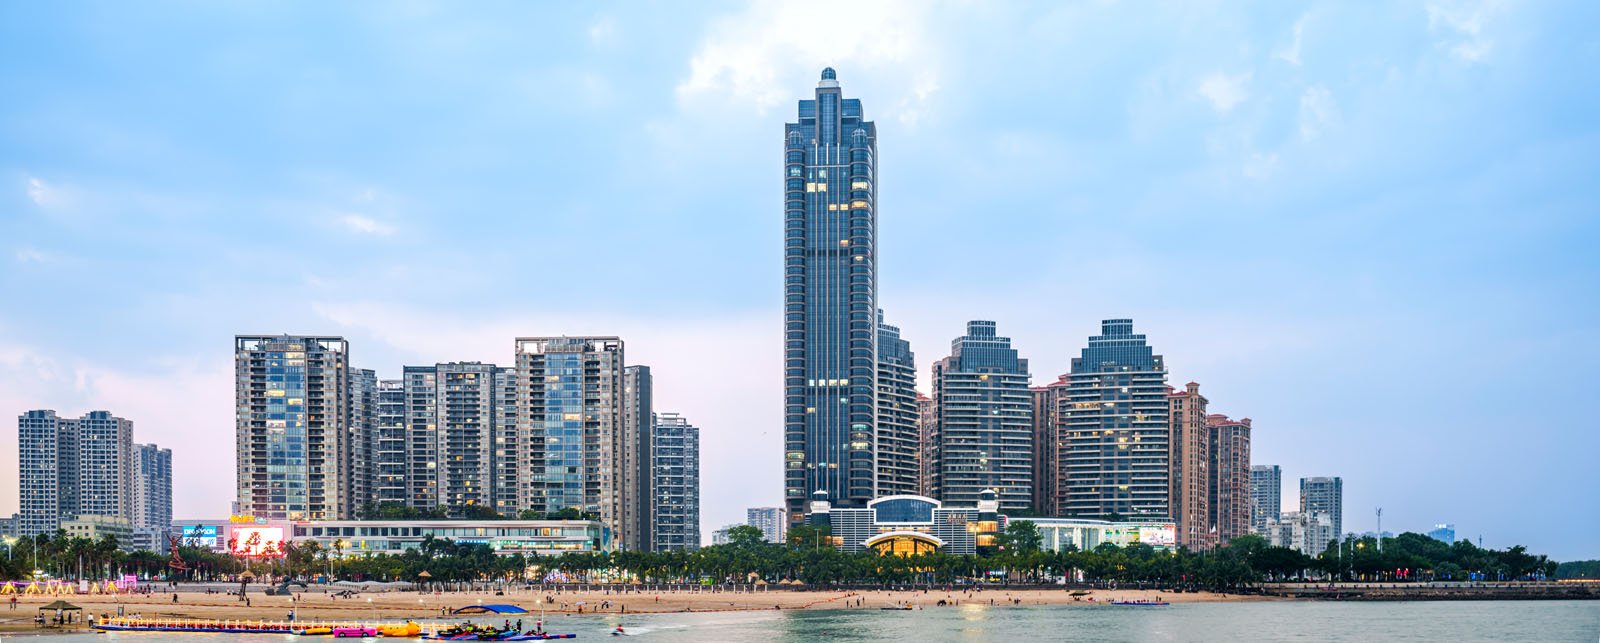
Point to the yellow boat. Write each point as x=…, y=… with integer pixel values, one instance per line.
x=316, y=631
x=408, y=630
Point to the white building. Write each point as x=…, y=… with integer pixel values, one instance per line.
x=1307, y=532
x=770, y=520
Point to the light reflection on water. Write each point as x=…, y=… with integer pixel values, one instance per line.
x=1266, y=621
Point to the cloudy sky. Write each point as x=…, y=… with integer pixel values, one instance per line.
x=1370, y=227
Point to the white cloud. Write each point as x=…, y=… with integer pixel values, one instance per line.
x=366, y=225
x=1291, y=53
x=603, y=31
x=1317, y=112
x=753, y=56
x=31, y=255
x=1225, y=91
x=44, y=194
x=1261, y=166
x=1465, y=25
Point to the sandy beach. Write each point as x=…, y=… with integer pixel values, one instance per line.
x=317, y=604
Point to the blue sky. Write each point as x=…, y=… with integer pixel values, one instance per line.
x=1368, y=227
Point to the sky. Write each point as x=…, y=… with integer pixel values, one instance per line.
x=1369, y=227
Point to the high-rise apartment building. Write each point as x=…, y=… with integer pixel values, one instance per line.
x=73, y=467
x=363, y=433
x=638, y=389
x=292, y=426
x=152, y=492
x=507, y=464
x=1046, y=445
x=1266, y=495
x=1308, y=532
x=770, y=520
x=570, y=420
x=925, y=426
x=1114, y=447
x=451, y=413
x=1189, y=468
x=830, y=301
x=676, y=468
x=984, y=421
x=1324, y=495
x=896, y=437
x=385, y=443
x=1228, y=476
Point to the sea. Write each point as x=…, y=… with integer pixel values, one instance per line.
x=1244, y=621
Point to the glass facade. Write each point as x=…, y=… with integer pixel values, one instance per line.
x=293, y=426
x=1114, y=452
x=983, y=421
x=1266, y=496
x=675, y=497
x=570, y=423
x=830, y=300
x=896, y=439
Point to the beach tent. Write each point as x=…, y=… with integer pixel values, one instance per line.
x=491, y=609
x=60, y=606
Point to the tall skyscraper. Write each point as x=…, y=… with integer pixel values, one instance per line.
x=292, y=422
x=770, y=520
x=1266, y=495
x=363, y=431
x=1228, y=476
x=984, y=421
x=73, y=467
x=1189, y=469
x=451, y=409
x=570, y=416
x=1046, y=445
x=386, y=444
x=638, y=389
x=1324, y=495
x=507, y=465
x=830, y=301
x=926, y=422
x=152, y=493
x=676, y=457
x=896, y=437
x=1114, y=453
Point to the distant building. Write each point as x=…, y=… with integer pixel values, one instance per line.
x=292, y=426
x=451, y=413
x=770, y=520
x=675, y=513
x=10, y=526
x=570, y=424
x=984, y=421
x=94, y=527
x=1085, y=533
x=1445, y=533
x=359, y=538
x=720, y=536
x=1307, y=532
x=364, y=405
x=896, y=436
x=1324, y=495
x=926, y=422
x=1046, y=445
x=385, y=443
x=73, y=467
x=152, y=495
x=638, y=387
x=1189, y=469
x=1266, y=496
x=830, y=300
x=1114, y=428
x=1228, y=476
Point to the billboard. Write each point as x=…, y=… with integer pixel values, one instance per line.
x=1158, y=535
x=199, y=536
x=256, y=541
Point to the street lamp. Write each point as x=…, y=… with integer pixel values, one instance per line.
x=10, y=541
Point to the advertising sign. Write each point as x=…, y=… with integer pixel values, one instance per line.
x=1158, y=535
x=256, y=541
x=199, y=536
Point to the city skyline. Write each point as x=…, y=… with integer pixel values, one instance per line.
x=1246, y=202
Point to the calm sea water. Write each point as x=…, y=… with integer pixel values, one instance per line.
x=1277, y=621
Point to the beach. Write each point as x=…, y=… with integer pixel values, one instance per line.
x=320, y=604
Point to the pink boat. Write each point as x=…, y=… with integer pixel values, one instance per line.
x=355, y=632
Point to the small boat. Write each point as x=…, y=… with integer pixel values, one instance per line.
x=1141, y=603
x=898, y=607
x=315, y=631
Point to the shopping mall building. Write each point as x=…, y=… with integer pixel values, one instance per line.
x=249, y=536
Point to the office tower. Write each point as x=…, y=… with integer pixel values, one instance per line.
x=570, y=415
x=1324, y=495
x=291, y=420
x=507, y=465
x=676, y=466
x=152, y=490
x=1046, y=442
x=925, y=426
x=896, y=437
x=1443, y=532
x=770, y=520
x=450, y=429
x=363, y=438
x=72, y=467
x=1189, y=468
x=1266, y=495
x=1114, y=428
x=386, y=443
x=984, y=421
x=830, y=300
x=638, y=391
x=1228, y=476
